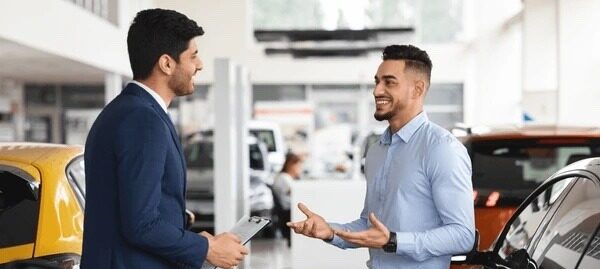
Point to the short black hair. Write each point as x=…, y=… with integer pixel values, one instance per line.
x=415, y=58
x=155, y=32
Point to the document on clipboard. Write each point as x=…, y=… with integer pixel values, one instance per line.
x=245, y=229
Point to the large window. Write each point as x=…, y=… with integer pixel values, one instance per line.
x=435, y=21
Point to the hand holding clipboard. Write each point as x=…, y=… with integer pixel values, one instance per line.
x=245, y=229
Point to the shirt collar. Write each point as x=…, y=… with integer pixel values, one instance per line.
x=154, y=95
x=406, y=132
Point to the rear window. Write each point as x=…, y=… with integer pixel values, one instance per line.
x=76, y=177
x=513, y=169
x=199, y=155
x=19, y=209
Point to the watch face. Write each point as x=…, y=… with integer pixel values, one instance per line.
x=389, y=247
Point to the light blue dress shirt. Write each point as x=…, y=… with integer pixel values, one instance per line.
x=419, y=186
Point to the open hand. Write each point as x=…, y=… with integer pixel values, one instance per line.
x=375, y=237
x=314, y=225
x=224, y=250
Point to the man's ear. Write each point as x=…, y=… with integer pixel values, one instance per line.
x=166, y=64
x=420, y=88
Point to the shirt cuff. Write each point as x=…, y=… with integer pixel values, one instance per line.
x=337, y=241
x=405, y=243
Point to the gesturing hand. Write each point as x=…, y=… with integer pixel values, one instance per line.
x=375, y=237
x=224, y=250
x=314, y=225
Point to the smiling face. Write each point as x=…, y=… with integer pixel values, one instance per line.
x=394, y=90
x=182, y=79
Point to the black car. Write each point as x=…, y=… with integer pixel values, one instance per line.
x=557, y=226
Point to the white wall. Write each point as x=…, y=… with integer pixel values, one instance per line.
x=493, y=76
x=61, y=28
x=337, y=201
x=579, y=62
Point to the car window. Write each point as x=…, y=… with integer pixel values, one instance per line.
x=199, y=155
x=19, y=209
x=525, y=225
x=257, y=161
x=514, y=170
x=76, y=176
x=567, y=234
x=591, y=259
x=267, y=137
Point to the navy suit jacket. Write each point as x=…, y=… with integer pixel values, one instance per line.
x=135, y=190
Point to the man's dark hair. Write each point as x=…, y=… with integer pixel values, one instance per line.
x=415, y=58
x=155, y=32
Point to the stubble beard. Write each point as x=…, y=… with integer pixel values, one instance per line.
x=179, y=84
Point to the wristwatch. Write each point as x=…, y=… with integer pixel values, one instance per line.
x=391, y=244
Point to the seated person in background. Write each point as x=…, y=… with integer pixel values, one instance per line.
x=292, y=168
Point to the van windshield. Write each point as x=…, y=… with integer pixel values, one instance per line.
x=267, y=137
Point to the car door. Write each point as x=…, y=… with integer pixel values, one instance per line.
x=572, y=231
x=523, y=228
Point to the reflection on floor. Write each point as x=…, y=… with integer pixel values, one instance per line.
x=270, y=254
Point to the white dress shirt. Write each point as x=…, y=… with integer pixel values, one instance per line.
x=154, y=95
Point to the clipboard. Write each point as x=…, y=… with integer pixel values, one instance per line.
x=245, y=229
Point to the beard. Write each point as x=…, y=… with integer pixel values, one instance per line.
x=180, y=83
x=385, y=116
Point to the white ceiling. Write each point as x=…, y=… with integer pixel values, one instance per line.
x=29, y=65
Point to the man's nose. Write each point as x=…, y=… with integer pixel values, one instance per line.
x=378, y=90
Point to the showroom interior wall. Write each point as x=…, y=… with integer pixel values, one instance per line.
x=579, y=62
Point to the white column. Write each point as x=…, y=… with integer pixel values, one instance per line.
x=243, y=100
x=226, y=146
x=113, y=84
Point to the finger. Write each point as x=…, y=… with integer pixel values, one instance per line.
x=305, y=210
x=293, y=224
x=206, y=234
x=376, y=223
x=298, y=227
x=308, y=227
x=244, y=251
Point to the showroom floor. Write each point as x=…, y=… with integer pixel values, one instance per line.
x=270, y=254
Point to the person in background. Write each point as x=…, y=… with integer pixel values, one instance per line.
x=291, y=170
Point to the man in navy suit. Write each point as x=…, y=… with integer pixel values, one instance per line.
x=136, y=173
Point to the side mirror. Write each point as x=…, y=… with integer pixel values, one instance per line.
x=466, y=257
x=476, y=257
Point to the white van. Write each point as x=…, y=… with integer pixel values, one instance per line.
x=270, y=134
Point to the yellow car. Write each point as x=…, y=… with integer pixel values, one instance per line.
x=42, y=190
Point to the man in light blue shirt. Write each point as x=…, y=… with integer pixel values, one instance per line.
x=418, y=208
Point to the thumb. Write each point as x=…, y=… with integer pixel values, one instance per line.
x=305, y=210
x=376, y=223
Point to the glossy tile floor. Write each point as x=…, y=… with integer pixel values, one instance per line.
x=270, y=254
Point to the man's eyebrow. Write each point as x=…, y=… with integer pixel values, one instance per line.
x=388, y=77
